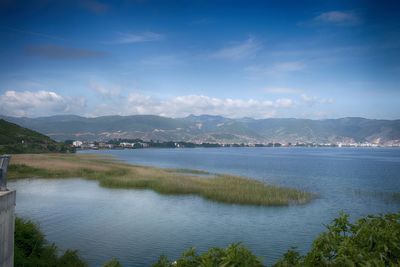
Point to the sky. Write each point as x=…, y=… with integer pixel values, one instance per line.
x=261, y=59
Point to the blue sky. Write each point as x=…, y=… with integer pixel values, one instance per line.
x=303, y=59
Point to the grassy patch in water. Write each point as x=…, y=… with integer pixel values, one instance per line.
x=113, y=174
x=188, y=171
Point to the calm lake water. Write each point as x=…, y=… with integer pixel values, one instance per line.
x=136, y=226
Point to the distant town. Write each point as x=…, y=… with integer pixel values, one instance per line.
x=140, y=144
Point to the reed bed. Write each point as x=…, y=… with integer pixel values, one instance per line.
x=113, y=174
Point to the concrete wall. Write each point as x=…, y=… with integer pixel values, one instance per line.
x=7, y=220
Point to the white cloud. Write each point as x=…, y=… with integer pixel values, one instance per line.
x=130, y=38
x=46, y=103
x=104, y=91
x=38, y=103
x=338, y=18
x=181, y=106
x=236, y=51
x=312, y=100
x=281, y=90
x=284, y=103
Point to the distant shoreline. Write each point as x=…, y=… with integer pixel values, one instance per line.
x=226, y=147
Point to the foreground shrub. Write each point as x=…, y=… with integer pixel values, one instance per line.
x=32, y=249
x=112, y=263
x=371, y=241
x=233, y=255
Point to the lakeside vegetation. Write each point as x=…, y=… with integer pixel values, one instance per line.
x=113, y=174
x=371, y=241
x=31, y=249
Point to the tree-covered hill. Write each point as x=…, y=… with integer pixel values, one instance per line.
x=16, y=139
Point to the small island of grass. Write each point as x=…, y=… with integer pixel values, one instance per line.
x=114, y=174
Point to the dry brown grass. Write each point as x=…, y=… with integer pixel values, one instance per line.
x=114, y=174
x=59, y=161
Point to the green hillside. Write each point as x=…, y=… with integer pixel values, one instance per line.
x=16, y=139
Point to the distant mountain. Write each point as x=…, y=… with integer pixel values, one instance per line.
x=207, y=128
x=16, y=139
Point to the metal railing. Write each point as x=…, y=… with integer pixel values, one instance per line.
x=4, y=160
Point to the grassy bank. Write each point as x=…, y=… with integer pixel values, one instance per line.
x=113, y=174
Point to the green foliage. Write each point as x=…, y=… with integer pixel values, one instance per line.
x=32, y=249
x=371, y=241
x=22, y=170
x=15, y=139
x=70, y=258
x=290, y=259
x=112, y=263
x=233, y=255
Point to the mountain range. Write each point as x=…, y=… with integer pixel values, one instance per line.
x=207, y=128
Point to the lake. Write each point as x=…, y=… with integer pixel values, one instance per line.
x=137, y=226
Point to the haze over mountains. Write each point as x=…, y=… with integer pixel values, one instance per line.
x=206, y=128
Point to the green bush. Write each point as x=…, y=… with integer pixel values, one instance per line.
x=112, y=263
x=371, y=241
x=32, y=249
x=233, y=255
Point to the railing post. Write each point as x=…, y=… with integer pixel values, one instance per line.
x=4, y=160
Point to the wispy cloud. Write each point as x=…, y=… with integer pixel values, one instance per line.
x=38, y=103
x=107, y=92
x=289, y=66
x=281, y=90
x=130, y=38
x=163, y=60
x=62, y=52
x=241, y=50
x=33, y=33
x=277, y=69
x=312, y=100
x=338, y=18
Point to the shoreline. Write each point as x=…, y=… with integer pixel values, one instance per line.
x=252, y=147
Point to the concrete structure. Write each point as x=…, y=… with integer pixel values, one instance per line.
x=7, y=221
x=7, y=217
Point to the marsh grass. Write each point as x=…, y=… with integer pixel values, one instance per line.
x=113, y=174
x=188, y=171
